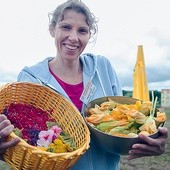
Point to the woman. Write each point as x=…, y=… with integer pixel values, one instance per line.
x=83, y=77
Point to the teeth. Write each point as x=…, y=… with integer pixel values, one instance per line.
x=71, y=47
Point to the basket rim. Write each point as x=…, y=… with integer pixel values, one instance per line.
x=65, y=155
x=38, y=85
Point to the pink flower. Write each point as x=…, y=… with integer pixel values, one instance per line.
x=45, y=138
x=57, y=130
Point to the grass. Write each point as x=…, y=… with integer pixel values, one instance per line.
x=168, y=113
x=4, y=166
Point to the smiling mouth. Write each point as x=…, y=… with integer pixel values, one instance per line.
x=70, y=47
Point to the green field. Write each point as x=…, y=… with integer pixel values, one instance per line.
x=168, y=114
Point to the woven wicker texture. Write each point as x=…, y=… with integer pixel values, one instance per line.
x=27, y=157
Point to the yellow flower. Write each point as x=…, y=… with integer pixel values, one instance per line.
x=51, y=145
x=57, y=146
x=58, y=142
x=42, y=148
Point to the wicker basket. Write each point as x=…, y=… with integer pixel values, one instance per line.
x=26, y=157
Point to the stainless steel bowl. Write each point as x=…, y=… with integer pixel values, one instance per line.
x=113, y=144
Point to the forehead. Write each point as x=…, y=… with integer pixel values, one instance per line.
x=72, y=16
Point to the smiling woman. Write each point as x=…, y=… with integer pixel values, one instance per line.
x=72, y=26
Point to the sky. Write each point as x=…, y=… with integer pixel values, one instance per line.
x=122, y=24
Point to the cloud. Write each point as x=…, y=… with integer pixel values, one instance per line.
x=7, y=76
x=25, y=39
x=158, y=74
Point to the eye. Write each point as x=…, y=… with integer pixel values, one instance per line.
x=65, y=27
x=83, y=31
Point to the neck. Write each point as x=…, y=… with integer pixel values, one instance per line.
x=69, y=72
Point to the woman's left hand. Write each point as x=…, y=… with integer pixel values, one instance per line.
x=153, y=147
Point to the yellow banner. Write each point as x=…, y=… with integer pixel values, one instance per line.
x=140, y=84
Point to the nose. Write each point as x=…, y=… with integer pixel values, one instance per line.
x=73, y=36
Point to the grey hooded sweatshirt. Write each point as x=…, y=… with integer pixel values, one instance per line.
x=99, y=71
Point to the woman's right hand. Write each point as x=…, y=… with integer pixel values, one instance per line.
x=5, y=129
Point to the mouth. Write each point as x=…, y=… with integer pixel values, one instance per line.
x=71, y=47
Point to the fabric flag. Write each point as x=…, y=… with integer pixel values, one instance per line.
x=140, y=85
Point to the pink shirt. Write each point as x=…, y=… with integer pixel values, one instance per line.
x=73, y=91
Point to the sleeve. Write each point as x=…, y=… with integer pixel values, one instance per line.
x=116, y=85
x=25, y=76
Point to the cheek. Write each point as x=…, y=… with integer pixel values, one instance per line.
x=58, y=39
x=85, y=41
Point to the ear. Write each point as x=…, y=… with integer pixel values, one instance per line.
x=51, y=30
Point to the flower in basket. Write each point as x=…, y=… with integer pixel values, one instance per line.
x=48, y=136
x=37, y=128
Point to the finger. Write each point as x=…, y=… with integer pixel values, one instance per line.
x=156, y=145
x=142, y=149
x=6, y=131
x=148, y=140
x=6, y=145
x=163, y=132
x=130, y=157
x=2, y=117
x=145, y=150
x=136, y=153
x=4, y=123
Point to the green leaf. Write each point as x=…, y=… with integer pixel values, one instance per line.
x=18, y=132
x=68, y=140
x=51, y=124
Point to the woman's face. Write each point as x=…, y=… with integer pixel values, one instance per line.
x=71, y=35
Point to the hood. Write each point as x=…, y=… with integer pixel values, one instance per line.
x=41, y=69
x=89, y=62
x=41, y=72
